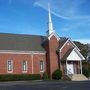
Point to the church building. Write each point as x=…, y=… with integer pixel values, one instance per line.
x=34, y=54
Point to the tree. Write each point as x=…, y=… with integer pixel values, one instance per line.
x=86, y=68
x=83, y=48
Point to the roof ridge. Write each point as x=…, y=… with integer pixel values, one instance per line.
x=21, y=34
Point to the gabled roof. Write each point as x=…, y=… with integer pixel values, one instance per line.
x=63, y=41
x=54, y=34
x=70, y=51
x=21, y=42
x=67, y=54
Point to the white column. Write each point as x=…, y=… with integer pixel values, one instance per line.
x=81, y=66
x=32, y=64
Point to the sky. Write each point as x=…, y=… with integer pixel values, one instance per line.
x=71, y=18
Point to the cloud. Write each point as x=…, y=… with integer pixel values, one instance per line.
x=66, y=9
x=70, y=10
x=85, y=41
x=76, y=25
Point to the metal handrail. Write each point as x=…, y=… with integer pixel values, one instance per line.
x=69, y=73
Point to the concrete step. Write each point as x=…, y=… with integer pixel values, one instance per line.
x=79, y=77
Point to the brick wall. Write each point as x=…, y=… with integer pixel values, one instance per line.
x=17, y=63
x=65, y=48
x=52, y=58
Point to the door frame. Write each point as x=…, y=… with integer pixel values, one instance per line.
x=70, y=66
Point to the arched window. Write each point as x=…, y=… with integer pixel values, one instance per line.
x=10, y=66
x=24, y=66
x=41, y=66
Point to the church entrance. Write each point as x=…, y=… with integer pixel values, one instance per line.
x=70, y=68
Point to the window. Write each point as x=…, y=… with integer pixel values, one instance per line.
x=10, y=66
x=24, y=66
x=42, y=66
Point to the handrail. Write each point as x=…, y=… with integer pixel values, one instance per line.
x=68, y=73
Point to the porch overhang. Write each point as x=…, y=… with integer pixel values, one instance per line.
x=75, y=55
x=72, y=55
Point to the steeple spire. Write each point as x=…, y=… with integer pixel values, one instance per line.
x=50, y=24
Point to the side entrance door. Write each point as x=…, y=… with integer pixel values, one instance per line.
x=70, y=68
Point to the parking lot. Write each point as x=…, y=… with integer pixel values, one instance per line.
x=45, y=85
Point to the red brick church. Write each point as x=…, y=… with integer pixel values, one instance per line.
x=33, y=54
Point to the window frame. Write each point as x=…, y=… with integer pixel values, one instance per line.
x=42, y=66
x=10, y=68
x=24, y=69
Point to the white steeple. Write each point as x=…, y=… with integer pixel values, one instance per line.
x=50, y=24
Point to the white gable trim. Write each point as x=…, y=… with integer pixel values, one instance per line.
x=21, y=52
x=79, y=56
x=54, y=34
x=74, y=44
x=71, y=42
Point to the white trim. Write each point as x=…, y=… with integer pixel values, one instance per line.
x=49, y=37
x=72, y=43
x=22, y=52
x=26, y=67
x=70, y=68
x=63, y=45
x=42, y=71
x=80, y=55
x=11, y=64
x=43, y=66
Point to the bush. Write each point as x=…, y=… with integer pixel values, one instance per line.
x=86, y=68
x=6, y=78
x=57, y=74
x=86, y=72
x=20, y=77
x=45, y=76
x=35, y=77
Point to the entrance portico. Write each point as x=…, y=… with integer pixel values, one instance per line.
x=73, y=67
x=73, y=63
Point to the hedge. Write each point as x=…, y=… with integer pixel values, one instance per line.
x=57, y=74
x=45, y=76
x=19, y=77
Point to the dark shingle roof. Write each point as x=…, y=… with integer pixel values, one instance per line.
x=62, y=41
x=21, y=42
x=67, y=54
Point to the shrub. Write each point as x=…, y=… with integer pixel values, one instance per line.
x=6, y=78
x=19, y=77
x=35, y=77
x=57, y=74
x=86, y=72
x=45, y=76
x=86, y=68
